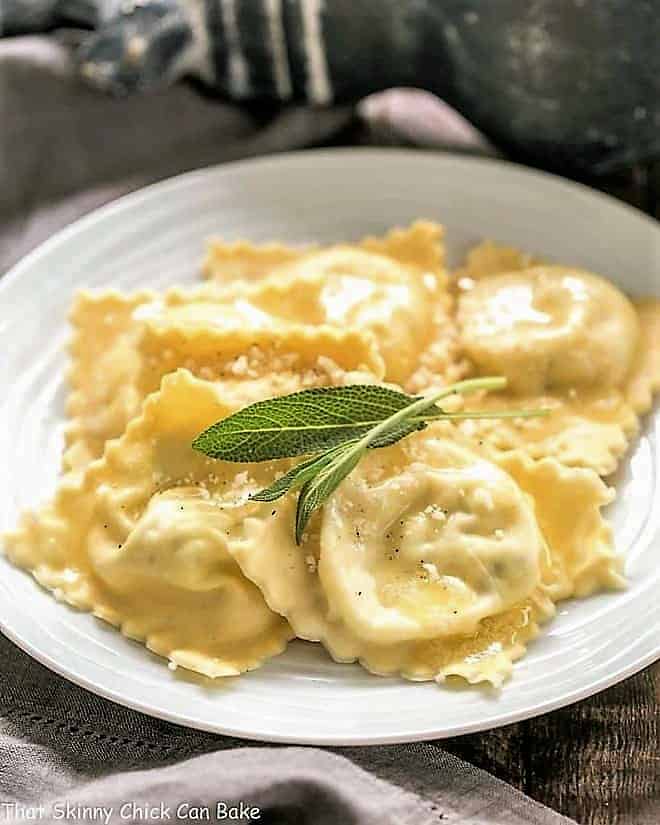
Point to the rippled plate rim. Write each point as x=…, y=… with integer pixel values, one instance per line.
x=128, y=204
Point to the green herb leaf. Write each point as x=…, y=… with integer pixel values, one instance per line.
x=305, y=422
x=315, y=492
x=297, y=476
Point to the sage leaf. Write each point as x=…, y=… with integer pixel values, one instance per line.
x=316, y=491
x=296, y=476
x=310, y=421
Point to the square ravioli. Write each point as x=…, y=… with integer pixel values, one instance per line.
x=394, y=286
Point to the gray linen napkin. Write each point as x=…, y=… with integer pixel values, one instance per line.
x=63, y=151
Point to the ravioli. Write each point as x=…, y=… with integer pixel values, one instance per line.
x=140, y=539
x=365, y=291
x=589, y=429
x=428, y=552
x=123, y=346
x=566, y=340
x=549, y=328
x=583, y=558
x=253, y=364
x=394, y=287
x=430, y=561
x=345, y=289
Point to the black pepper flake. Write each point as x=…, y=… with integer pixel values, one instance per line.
x=119, y=546
x=274, y=512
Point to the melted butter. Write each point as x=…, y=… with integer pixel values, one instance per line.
x=396, y=313
x=348, y=299
x=416, y=594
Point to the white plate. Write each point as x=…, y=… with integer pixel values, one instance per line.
x=155, y=238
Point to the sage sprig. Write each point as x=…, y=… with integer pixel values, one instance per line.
x=335, y=426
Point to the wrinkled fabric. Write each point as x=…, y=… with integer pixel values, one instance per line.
x=64, y=151
x=60, y=744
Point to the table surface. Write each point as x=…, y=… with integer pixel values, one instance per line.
x=597, y=761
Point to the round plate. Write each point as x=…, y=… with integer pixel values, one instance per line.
x=154, y=238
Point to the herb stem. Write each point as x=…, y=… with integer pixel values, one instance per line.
x=440, y=416
x=462, y=387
